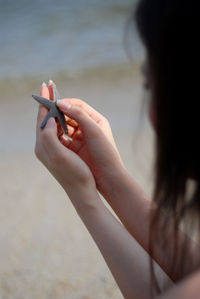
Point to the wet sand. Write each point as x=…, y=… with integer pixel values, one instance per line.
x=45, y=251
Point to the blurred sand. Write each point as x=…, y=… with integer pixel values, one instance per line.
x=45, y=251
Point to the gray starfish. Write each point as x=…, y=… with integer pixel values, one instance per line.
x=54, y=111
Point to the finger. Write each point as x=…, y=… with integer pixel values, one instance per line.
x=73, y=134
x=65, y=141
x=51, y=86
x=44, y=92
x=77, y=142
x=49, y=137
x=95, y=115
x=77, y=113
x=71, y=122
x=59, y=129
x=71, y=131
x=55, y=152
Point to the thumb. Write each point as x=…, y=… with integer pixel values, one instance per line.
x=79, y=115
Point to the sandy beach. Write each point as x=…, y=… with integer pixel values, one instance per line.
x=45, y=251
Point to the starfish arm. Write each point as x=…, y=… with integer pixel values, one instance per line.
x=43, y=101
x=50, y=114
x=62, y=121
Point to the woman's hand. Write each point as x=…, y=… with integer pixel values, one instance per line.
x=92, y=141
x=65, y=165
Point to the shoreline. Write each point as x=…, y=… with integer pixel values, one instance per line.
x=117, y=96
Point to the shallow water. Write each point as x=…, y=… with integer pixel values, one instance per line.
x=48, y=37
x=78, y=44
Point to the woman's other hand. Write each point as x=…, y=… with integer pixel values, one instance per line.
x=92, y=141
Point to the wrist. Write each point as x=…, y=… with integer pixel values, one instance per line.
x=83, y=196
x=120, y=186
x=110, y=184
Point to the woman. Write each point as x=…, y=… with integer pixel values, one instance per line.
x=91, y=162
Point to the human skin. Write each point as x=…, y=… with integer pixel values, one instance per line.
x=94, y=143
x=119, y=249
x=91, y=161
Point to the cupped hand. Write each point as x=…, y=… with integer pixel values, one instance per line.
x=65, y=165
x=92, y=141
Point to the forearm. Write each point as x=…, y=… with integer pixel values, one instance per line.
x=127, y=260
x=134, y=209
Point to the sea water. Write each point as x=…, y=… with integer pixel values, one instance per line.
x=63, y=36
x=62, y=40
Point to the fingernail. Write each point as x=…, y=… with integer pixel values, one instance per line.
x=50, y=123
x=44, y=84
x=64, y=105
x=51, y=82
x=67, y=137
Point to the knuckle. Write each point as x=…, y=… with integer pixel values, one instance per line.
x=105, y=120
x=80, y=102
x=79, y=111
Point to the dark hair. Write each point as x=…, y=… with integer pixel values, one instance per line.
x=170, y=30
